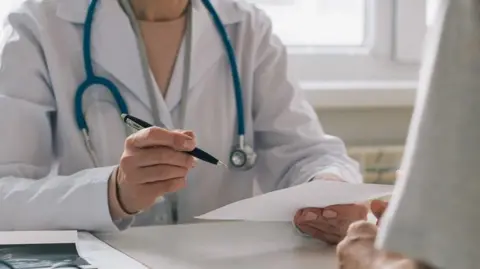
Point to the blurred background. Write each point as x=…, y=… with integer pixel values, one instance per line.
x=357, y=61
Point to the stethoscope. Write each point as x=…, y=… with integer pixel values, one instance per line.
x=242, y=156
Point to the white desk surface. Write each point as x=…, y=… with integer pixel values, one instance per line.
x=223, y=245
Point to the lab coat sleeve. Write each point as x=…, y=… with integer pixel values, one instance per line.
x=30, y=198
x=433, y=215
x=292, y=148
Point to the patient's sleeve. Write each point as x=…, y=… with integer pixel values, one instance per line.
x=434, y=215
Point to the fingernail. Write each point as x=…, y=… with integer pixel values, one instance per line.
x=188, y=144
x=309, y=216
x=329, y=214
x=195, y=162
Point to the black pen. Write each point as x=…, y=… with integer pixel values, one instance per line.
x=139, y=124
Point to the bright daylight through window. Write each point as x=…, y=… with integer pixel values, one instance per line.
x=353, y=47
x=317, y=22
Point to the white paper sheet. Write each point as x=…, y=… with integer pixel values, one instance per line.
x=103, y=256
x=282, y=205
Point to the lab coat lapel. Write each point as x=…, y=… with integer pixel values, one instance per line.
x=115, y=48
x=114, y=45
x=207, y=48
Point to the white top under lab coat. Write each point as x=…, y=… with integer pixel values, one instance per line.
x=434, y=214
x=42, y=66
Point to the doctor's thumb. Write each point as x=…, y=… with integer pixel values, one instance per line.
x=185, y=140
x=190, y=134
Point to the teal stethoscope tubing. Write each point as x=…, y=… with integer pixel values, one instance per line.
x=92, y=79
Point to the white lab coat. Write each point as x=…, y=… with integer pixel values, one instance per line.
x=42, y=66
x=434, y=214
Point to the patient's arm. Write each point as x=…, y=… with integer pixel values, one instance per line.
x=357, y=251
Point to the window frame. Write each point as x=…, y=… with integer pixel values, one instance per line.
x=410, y=28
x=382, y=73
x=374, y=61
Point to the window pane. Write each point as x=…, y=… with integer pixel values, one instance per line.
x=317, y=22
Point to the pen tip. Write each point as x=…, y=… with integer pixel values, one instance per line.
x=222, y=164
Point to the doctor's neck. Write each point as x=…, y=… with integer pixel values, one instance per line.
x=159, y=10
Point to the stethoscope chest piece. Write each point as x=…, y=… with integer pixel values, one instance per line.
x=243, y=157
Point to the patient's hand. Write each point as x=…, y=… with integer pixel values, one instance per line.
x=357, y=251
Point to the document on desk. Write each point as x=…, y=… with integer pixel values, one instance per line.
x=103, y=255
x=282, y=205
x=41, y=249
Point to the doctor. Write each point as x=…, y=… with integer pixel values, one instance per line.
x=70, y=67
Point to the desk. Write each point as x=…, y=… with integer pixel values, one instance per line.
x=224, y=245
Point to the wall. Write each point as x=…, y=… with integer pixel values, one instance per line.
x=367, y=126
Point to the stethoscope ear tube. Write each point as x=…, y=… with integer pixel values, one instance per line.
x=89, y=82
x=91, y=79
x=233, y=65
x=242, y=155
x=78, y=101
x=87, y=39
x=80, y=117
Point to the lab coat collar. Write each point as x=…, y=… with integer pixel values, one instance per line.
x=114, y=44
x=76, y=10
x=207, y=47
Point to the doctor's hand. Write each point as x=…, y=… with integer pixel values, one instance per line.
x=329, y=224
x=378, y=207
x=153, y=163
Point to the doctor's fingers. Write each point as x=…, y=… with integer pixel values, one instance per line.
x=333, y=220
x=328, y=227
x=349, y=211
x=319, y=233
x=378, y=207
x=332, y=213
x=158, y=155
x=155, y=137
x=155, y=173
x=159, y=188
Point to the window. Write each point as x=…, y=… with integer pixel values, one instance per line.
x=410, y=30
x=333, y=42
x=334, y=22
x=414, y=17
